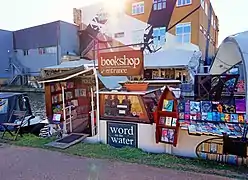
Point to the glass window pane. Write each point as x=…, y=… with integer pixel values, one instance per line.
x=188, y=1
x=159, y=6
x=162, y=31
x=155, y=7
x=162, y=40
x=164, y=5
x=155, y=31
x=179, y=30
x=155, y=41
x=187, y=29
x=186, y=38
x=142, y=8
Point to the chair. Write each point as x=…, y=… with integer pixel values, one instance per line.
x=19, y=117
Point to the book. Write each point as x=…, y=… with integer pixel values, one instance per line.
x=187, y=107
x=234, y=118
x=168, y=121
x=187, y=116
x=181, y=106
x=240, y=105
x=167, y=135
x=209, y=116
x=194, y=107
x=229, y=108
x=204, y=116
x=227, y=117
x=241, y=118
x=198, y=116
x=222, y=117
x=168, y=105
x=216, y=116
x=192, y=129
x=162, y=120
x=174, y=122
x=206, y=106
x=181, y=115
x=171, y=134
x=193, y=117
x=217, y=106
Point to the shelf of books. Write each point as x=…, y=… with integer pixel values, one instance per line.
x=166, y=119
x=213, y=117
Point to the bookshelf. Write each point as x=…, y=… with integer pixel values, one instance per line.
x=166, y=118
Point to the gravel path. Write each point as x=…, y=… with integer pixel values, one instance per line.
x=22, y=163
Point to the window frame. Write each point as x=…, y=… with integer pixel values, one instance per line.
x=206, y=8
x=144, y=120
x=183, y=4
x=134, y=7
x=156, y=4
x=159, y=37
x=183, y=33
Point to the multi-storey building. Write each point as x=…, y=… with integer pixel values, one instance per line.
x=24, y=52
x=160, y=24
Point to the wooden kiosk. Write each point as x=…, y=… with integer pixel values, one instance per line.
x=127, y=118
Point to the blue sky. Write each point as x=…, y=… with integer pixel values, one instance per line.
x=18, y=14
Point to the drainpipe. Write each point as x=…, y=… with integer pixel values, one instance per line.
x=208, y=32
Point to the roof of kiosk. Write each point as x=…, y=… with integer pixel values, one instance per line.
x=232, y=51
x=125, y=92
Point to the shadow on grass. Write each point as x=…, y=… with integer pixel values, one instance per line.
x=132, y=155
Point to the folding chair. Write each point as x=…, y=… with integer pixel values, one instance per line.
x=19, y=117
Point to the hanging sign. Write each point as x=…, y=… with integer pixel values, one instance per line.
x=121, y=63
x=122, y=134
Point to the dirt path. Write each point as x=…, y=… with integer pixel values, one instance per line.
x=22, y=163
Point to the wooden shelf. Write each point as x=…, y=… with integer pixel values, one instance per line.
x=168, y=114
x=165, y=126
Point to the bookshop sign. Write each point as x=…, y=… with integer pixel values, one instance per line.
x=121, y=63
x=122, y=134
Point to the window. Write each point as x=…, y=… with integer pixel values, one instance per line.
x=42, y=51
x=183, y=33
x=125, y=106
x=212, y=20
x=202, y=4
x=159, y=4
x=214, y=24
x=159, y=36
x=25, y=52
x=183, y=2
x=206, y=8
x=138, y=8
x=119, y=35
x=51, y=50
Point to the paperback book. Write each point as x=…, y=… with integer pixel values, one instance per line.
x=168, y=105
x=194, y=107
x=206, y=106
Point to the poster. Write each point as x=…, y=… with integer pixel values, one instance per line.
x=3, y=106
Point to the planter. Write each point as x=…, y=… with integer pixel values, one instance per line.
x=136, y=86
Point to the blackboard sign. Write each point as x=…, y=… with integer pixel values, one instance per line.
x=122, y=134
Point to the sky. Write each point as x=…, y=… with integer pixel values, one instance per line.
x=19, y=14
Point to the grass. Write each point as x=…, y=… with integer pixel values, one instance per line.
x=133, y=155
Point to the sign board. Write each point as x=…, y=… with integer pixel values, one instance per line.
x=122, y=134
x=121, y=63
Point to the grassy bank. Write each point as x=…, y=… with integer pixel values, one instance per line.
x=132, y=155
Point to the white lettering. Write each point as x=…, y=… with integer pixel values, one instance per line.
x=122, y=61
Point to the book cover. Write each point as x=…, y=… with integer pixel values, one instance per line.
x=168, y=121
x=168, y=105
x=206, y=106
x=167, y=135
x=222, y=117
x=193, y=117
x=216, y=116
x=187, y=107
x=194, y=107
x=234, y=118
x=240, y=105
x=187, y=116
x=209, y=116
x=241, y=118
x=204, y=116
x=181, y=115
x=198, y=116
x=174, y=122
x=227, y=108
x=181, y=106
x=162, y=120
x=217, y=106
x=192, y=129
x=227, y=117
